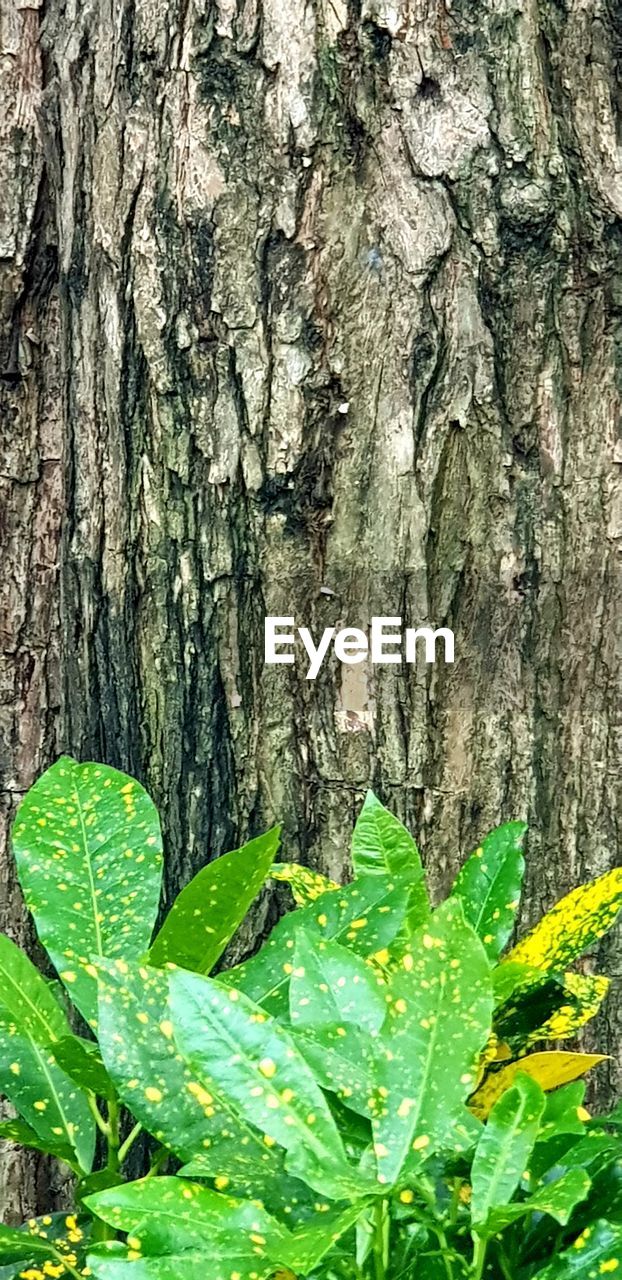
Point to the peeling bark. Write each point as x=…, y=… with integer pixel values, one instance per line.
x=330, y=327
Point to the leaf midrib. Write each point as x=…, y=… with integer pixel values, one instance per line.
x=39, y=1017
x=318, y=1146
x=502, y=1164
x=91, y=882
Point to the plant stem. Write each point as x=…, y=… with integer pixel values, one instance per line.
x=160, y=1158
x=113, y=1135
x=379, y=1240
x=455, y=1202
x=479, y=1257
x=97, y=1115
x=124, y=1148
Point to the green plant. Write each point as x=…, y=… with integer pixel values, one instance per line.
x=360, y=1100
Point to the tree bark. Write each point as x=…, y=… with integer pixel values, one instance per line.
x=313, y=309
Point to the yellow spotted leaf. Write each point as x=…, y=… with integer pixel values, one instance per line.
x=88, y=848
x=550, y=1070
x=585, y=994
x=573, y=925
x=306, y=885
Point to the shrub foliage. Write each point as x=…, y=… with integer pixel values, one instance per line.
x=369, y=1097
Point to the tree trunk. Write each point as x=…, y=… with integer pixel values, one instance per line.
x=330, y=330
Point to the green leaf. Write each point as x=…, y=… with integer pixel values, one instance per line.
x=208, y=911
x=230, y=1041
x=101, y=1180
x=190, y=1264
x=171, y=1214
x=170, y=1102
x=31, y=1023
x=16, y=1245
x=54, y=1237
x=341, y=1057
x=331, y=984
x=28, y=998
x=364, y=916
x=136, y=1041
x=564, y=1111
x=556, y=1199
x=81, y=1060
x=489, y=886
x=309, y=1244
x=45, y=1097
x=381, y=846
x=504, y=1148
x=88, y=848
x=21, y=1133
x=596, y=1252
x=243, y=1172
x=437, y=1024
x=306, y=885
x=573, y=925
x=169, y=1217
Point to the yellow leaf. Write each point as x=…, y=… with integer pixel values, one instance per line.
x=549, y=1069
x=577, y=921
x=305, y=885
x=489, y=1054
x=587, y=992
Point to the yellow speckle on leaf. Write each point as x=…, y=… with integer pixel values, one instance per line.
x=204, y=1098
x=152, y=1094
x=267, y=1068
x=407, y=1197
x=421, y=1142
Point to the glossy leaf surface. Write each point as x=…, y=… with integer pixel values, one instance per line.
x=31, y=1021
x=381, y=846
x=364, y=916
x=595, y=1253
x=489, y=886
x=438, y=1022
x=206, y=914
x=504, y=1148
x=330, y=984
x=88, y=848
x=228, y=1040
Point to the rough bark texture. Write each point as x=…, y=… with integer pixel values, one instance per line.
x=307, y=296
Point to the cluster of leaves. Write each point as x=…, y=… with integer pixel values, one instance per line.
x=361, y=1100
